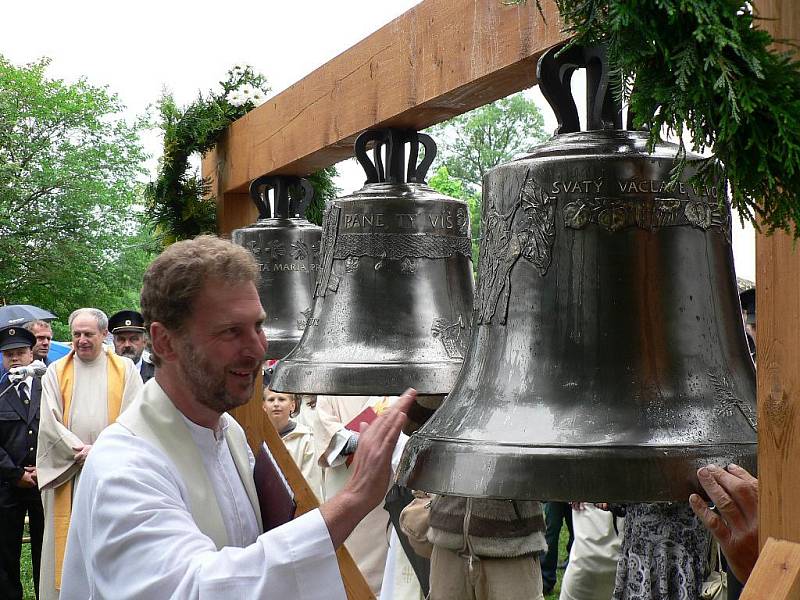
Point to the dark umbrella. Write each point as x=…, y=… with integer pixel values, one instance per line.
x=17, y=314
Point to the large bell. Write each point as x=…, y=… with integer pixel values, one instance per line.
x=607, y=360
x=287, y=248
x=393, y=299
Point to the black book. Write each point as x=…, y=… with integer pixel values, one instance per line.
x=275, y=497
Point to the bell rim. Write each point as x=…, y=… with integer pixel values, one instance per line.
x=585, y=473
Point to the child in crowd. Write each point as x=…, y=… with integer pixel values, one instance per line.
x=297, y=437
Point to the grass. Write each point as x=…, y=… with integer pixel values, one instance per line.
x=27, y=579
x=26, y=571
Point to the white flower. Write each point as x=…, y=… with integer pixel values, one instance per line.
x=236, y=98
x=259, y=97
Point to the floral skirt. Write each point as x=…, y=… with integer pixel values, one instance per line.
x=664, y=553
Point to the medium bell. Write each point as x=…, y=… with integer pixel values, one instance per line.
x=286, y=247
x=393, y=299
x=608, y=360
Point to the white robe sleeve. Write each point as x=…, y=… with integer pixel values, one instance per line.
x=132, y=536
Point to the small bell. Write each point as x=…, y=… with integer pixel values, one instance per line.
x=393, y=299
x=287, y=248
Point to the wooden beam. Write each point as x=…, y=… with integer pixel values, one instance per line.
x=258, y=429
x=777, y=574
x=778, y=348
x=439, y=59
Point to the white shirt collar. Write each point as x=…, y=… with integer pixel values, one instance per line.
x=204, y=436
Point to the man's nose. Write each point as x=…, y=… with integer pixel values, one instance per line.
x=257, y=344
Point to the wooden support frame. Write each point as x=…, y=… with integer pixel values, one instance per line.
x=445, y=57
x=777, y=573
x=439, y=59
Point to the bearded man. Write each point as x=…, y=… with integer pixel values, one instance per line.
x=81, y=394
x=167, y=506
x=127, y=330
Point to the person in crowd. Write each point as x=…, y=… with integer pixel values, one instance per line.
x=44, y=335
x=664, y=554
x=298, y=438
x=734, y=493
x=19, y=494
x=556, y=514
x=167, y=506
x=335, y=444
x=747, y=299
x=307, y=410
x=81, y=394
x=486, y=549
x=127, y=330
x=595, y=552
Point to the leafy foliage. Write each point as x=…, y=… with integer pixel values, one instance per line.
x=179, y=203
x=324, y=191
x=704, y=68
x=472, y=143
x=70, y=233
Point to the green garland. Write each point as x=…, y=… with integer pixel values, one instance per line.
x=705, y=68
x=178, y=203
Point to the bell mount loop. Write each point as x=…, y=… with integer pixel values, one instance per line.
x=286, y=205
x=260, y=199
x=554, y=72
x=395, y=170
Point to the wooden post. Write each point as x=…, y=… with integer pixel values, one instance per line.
x=777, y=576
x=258, y=429
x=778, y=351
x=778, y=348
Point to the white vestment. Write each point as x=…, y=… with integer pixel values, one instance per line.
x=159, y=520
x=399, y=580
x=369, y=542
x=300, y=444
x=55, y=457
x=593, y=558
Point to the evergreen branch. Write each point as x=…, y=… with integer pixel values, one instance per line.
x=178, y=203
x=704, y=67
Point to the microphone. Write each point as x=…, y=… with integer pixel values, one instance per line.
x=36, y=369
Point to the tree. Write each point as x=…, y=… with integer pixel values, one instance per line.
x=471, y=144
x=70, y=235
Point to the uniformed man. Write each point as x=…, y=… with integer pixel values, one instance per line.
x=19, y=494
x=127, y=328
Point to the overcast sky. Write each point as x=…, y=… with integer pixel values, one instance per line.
x=138, y=49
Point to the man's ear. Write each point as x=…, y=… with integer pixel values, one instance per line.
x=163, y=342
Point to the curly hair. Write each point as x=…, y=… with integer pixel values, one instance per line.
x=174, y=279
